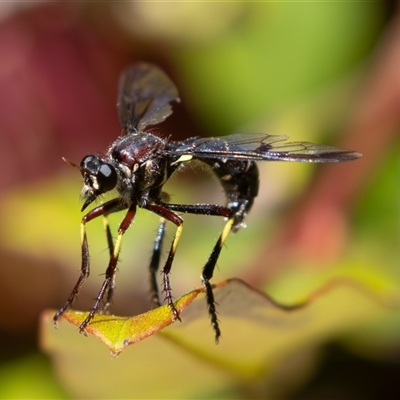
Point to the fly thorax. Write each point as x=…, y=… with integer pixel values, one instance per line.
x=152, y=173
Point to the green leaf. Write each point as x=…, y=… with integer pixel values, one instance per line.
x=119, y=332
x=258, y=334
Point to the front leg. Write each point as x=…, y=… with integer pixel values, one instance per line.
x=110, y=243
x=112, y=267
x=104, y=209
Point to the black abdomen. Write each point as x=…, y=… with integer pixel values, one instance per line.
x=240, y=182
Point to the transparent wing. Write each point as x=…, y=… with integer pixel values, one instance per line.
x=143, y=97
x=260, y=147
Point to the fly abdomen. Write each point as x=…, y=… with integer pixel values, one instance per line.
x=240, y=181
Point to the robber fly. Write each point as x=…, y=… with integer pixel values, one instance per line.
x=140, y=162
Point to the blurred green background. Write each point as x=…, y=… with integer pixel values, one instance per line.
x=316, y=71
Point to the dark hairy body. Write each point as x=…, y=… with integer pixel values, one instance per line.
x=139, y=163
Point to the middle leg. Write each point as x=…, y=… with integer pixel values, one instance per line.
x=208, y=269
x=166, y=215
x=155, y=264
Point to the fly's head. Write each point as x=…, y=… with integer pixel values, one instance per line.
x=99, y=177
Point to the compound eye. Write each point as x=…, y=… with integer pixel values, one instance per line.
x=90, y=165
x=106, y=177
x=101, y=176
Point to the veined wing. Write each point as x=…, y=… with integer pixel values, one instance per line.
x=260, y=147
x=144, y=95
